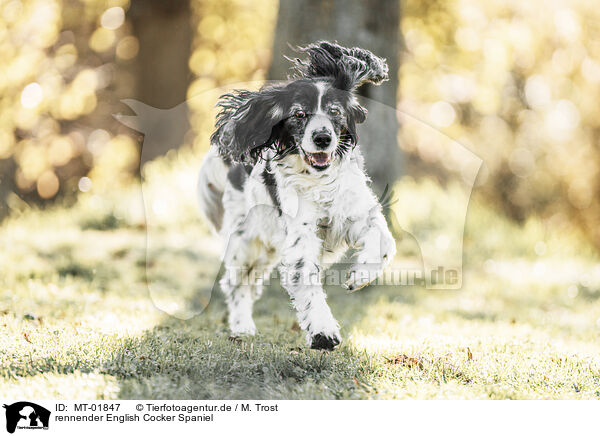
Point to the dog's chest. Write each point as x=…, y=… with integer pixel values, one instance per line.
x=328, y=201
x=335, y=215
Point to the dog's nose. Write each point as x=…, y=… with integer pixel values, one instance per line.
x=322, y=139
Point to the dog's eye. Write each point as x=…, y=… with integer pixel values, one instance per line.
x=300, y=114
x=334, y=111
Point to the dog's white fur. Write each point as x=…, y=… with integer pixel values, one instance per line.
x=259, y=239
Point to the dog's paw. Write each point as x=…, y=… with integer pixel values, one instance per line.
x=242, y=327
x=361, y=275
x=370, y=264
x=321, y=341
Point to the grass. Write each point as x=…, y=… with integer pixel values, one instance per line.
x=77, y=319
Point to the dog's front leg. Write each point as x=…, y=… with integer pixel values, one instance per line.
x=301, y=277
x=376, y=248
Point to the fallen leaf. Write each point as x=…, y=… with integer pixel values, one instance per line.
x=411, y=362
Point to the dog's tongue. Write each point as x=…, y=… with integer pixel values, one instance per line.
x=320, y=158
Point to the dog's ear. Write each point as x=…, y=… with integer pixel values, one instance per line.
x=356, y=115
x=247, y=123
x=349, y=67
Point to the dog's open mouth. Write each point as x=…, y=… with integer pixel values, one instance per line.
x=319, y=160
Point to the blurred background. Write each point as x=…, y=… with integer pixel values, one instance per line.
x=518, y=83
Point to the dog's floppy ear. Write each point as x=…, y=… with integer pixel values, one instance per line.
x=356, y=115
x=247, y=122
x=349, y=67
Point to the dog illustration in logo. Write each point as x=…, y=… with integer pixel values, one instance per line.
x=32, y=414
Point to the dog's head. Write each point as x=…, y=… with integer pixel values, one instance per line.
x=314, y=115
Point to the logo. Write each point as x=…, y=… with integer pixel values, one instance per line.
x=26, y=415
x=438, y=244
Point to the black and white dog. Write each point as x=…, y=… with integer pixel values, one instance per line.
x=284, y=185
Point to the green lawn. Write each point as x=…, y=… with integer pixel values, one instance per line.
x=77, y=320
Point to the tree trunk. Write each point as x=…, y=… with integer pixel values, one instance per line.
x=164, y=31
x=7, y=184
x=373, y=25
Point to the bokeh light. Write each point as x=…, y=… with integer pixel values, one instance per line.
x=516, y=82
x=113, y=18
x=32, y=95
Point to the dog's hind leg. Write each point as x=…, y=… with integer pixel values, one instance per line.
x=238, y=285
x=239, y=298
x=248, y=260
x=248, y=264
